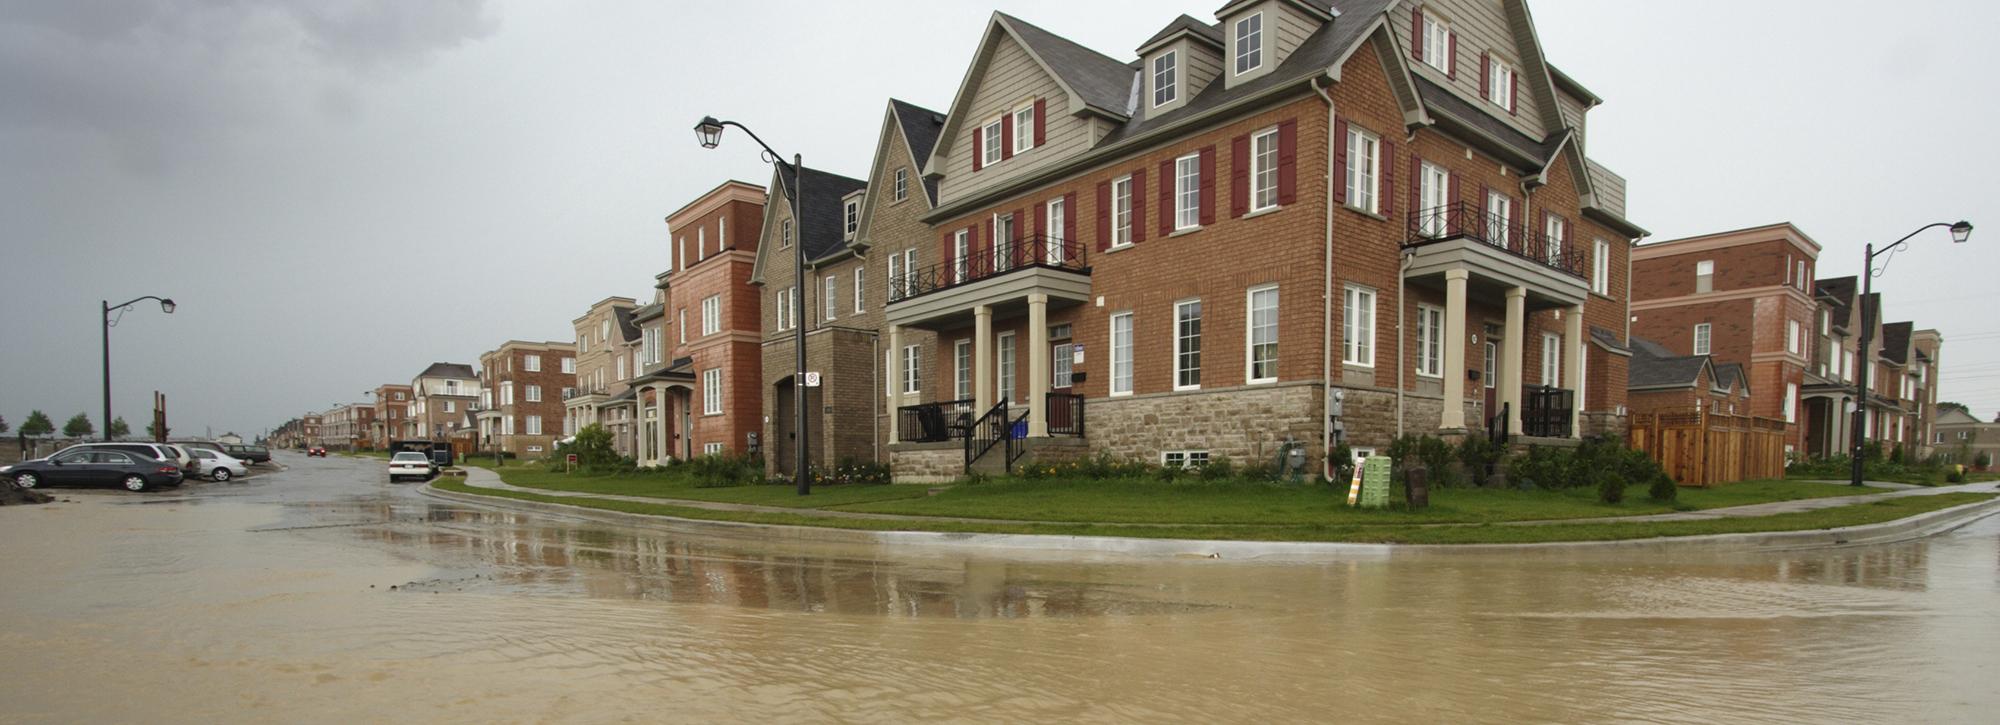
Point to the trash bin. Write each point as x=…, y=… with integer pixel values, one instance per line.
x=1019, y=430
x=1416, y=491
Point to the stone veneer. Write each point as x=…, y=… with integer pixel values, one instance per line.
x=1244, y=423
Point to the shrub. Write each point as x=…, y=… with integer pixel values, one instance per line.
x=1610, y=486
x=723, y=470
x=1343, y=463
x=1478, y=454
x=1663, y=489
x=1218, y=468
x=1983, y=460
x=1896, y=455
x=1168, y=474
x=592, y=446
x=1954, y=476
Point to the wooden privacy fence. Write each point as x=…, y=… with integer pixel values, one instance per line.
x=1705, y=449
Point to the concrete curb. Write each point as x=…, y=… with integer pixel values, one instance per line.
x=1044, y=546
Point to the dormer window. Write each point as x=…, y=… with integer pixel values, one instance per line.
x=851, y=212
x=990, y=143
x=1500, y=83
x=1165, y=73
x=1024, y=128
x=1250, y=43
x=1436, y=42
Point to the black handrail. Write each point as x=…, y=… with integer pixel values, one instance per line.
x=1497, y=430
x=1065, y=411
x=1033, y=251
x=1470, y=221
x=1017, y=440
x=934, y=422
x=1546, y=412
x=988, y=431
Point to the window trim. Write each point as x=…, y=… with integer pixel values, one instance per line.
x=902, y=183
x=1363, y=341
x=913, y=379
x=961, y=368
x=1259, y=168
x=1551, y=359
x=1704, y=339
x=1024, y=128
x=860, y=280
x=990, y=134
x=829, y=306
x=1180, y=338
x=1006, y=365
x=711, y=314
x=711, y=388
x=1600, y=267
x=1499, y=227
x=1250, y=334
x=1255, y=49
x=1172, y=70
x=1704, y=271
x=1441, y=59
x=1351, y=176
x=1121, y=212
x=850, y=214
x=1499, y=80
x=1131, y=364
x=1430, y=332
x=1055, y=213
x=1187, y=200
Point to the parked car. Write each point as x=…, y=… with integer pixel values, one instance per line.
x=316, y=451
x=159, y=451
x=249, y=453
x=95, y=466
x=218, y=466
x=412, y=465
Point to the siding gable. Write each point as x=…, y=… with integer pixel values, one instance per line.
x=1009, y=78
x=1496, y=28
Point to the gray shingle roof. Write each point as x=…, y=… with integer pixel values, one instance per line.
x=821, y=230
x=921, y=127
x=627, y=331
x=1438, y=100
x=1730, y=374
x=1841, y=291
x=1896, y=341
x=1654, y=367
x=1607, y=338
x=448, y=370
x=1208, y=33
x=1099, y=81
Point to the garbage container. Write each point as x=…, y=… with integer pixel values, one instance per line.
x=1416, y=490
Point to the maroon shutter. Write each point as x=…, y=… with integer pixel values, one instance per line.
x=1239, y=176
x=1514, y=94
x=1339, y=160
x=1485, y=75
x=1417, y=33
x=1139, y=205
x=972, y=265
x=1569, y=248
x=1416, y=183
x=1041, y=120
x=1103, y=215
x=1039, y=240
x=1288, y=161
x=1385, y=191
x=1207, y=216
x=944, y=253
x=1485, y=214
x=978, y=149
x=1167, y=182
x=1453, y=222
x=1007, y=137
x=1070, y=213
x=1017, y=250
x=1451, y=55
x=992, y=247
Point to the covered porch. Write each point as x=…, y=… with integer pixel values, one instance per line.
x=665, y=400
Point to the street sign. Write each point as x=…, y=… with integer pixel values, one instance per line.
x=812, y=380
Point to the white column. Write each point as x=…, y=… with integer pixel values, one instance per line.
x=1573, y=367
x=1510, y=354
x=663, y=447
x=1038, y=365
x=895, y=379
x=1454, y=350
x=982, y=359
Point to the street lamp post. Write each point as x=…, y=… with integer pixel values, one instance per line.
x=709, y=132
x=166, y=305
x=1960, y=231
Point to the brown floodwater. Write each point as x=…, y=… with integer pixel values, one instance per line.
x=324, y=594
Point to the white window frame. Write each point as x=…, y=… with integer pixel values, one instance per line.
x=1704, y=337
x=1121, y=353
x=1062, y=367
x=1166, y=64
x=1248, y=34
x=830, y=297
x=700, y=243
x=531, y=363
x=912, y=375
x=1794, y=337
x=1024, y=128
x=1183, y=373
x=1003, y=241
x=711, y=391
x=1704, y=276
x=1357, y=326
x=895, y=271
x=1434, y=194
x=1500, y=83
x=1184, y=459
x=1554, y=231
x=989, y=145
x=961, y=248
x=568, y=367
x=902, y=183
x=534, y=425
x=711, y=315
x=1007, y=354
x=1364, y=170
x=850, y=214
x=1264, y=170
x=1792, y=403
x=961, y=356
x=1430, y=341
x=784, y=312
x=1551, y=359
x=1187, y=192
x=860, y=280
x=1491, y=363
x=1252, y=328
x=1121, y=212
x=1499, y=219
x=1055, y=215
x=785, y=236
x=532, y=394
x=1600, y=267
x=1437, y=43
x=713, y=448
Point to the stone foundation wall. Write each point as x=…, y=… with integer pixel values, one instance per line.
x=1246, y=423
x=926, y=462
x=1368, y=416
x=1606, y=424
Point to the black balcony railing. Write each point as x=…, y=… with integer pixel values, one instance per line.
x=934, y=422
x=1470, y=221
x=1035, y=251
x=1065, y=414
x=1546, y=411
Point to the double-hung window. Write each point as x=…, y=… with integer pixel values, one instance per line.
x=990, y=143
x=912, y=377
x=1434, y=191
x=1006, y=366
x=1165, y=72
x=1005, y=245
x=711, y=315
x=1024, y=128
x=1794, y=338
x=1551, y=359
x=895, y=277
x=831, y=297
x=1600, y=268
x=1057, y=214
x=1364, y=166
x=1121, y=353
x=1557, y=229
x=961, y=356
x=1187, y=345
x=961, y=247
x=1249, y=43
x=1430, y=341
x=859, y=280
x=1437, y=43
x=1121, y=212
x=531, y=363
x=1704, y=276
x=851, y=216
x=1261, y=336
x=711, y=391
x=534, y=425
x=1701, y=338
x=1187, y=191
x=1499, y=218
x=785, y=236
x=533, y=393
x=1500, y=83
x=1357, y=326
x=902, y=184
x=1264, y=170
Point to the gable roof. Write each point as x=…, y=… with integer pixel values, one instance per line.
x=1730, y=375
x=1185, y=25
x=627, y=330
x=448, y=370
x=1955, y=416
x=1653, y=366
x=821, y=228
x=1896, y=341
x=1100, y=82
x=921, y=127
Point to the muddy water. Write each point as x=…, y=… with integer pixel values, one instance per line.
x=323, y=594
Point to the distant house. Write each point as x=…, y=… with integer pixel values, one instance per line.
x=1960, y=438
x=1661, y=382
x=230, y=439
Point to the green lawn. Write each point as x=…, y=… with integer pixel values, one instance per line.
x=662, y=486
x=1855, y=514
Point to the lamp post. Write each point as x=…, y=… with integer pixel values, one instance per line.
x=166, y=305
x=709, y=132
x=1960, y=231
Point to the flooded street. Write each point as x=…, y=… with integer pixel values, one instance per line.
x=326, y=594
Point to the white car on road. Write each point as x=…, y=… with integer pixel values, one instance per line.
x=215, y=465
x=411, y=464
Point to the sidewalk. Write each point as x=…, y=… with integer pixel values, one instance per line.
x=483, y=478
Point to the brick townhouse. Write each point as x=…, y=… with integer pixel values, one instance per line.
x=392, y=414
x=599, y=394
x=346, y=426
x=699, y=361
x=1743, y=297
x=1194, y=251
x=1960, y=438
x=1902, y=401
x=1661, y=382
x=894, y=234
x=443, y=394
x=520, y=397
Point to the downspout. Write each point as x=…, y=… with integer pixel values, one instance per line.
x=1402, y=272
x=1326, y=301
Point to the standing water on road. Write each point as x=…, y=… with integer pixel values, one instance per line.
x=326, y=594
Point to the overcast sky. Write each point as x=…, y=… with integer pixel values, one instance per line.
x=338, y=193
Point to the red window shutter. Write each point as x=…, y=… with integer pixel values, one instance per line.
x=1484, y=212
x=1451, y=55
x=1103, y=215
x=1139, y=205
x=945, y=253
x=1288, y=161
x=1485, y=75
x=978, y=149
x=992, y=246
x=1454, y=214
x=1041, y=121
x=1239, y=176
x=1385, y=193
x=1007, y=137
x=1070, y=213
x=1416, y=183
x=1017, y=243
x=1207, y=185
x=1167, y=182
x=1039, y=242
x=1417, y=33
x=1514, y=95
x=971, y=262
x=1339, y=160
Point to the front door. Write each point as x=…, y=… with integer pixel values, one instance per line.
x=1489, y=377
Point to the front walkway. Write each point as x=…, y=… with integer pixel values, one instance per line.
x=483, y=478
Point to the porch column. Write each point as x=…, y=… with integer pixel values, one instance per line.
x=1510, y=352
x=895, y=379
x=982, y=359
x=1573, y=367
x=662, y=450
x=1038, y=365
x=1454, y=350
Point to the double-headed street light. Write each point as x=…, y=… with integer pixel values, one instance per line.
x=166, y=305
x=1960, y=231
x=709, y=133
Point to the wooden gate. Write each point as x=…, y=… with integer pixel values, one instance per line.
x=1705, y=449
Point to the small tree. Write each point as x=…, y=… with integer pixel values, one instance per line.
x=1947, y=406
x=79, y=426
x=38, y=424
x=118, y=428
x=3, y=425
x=157, y=435
x=592, y=446
x=1982, y=460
